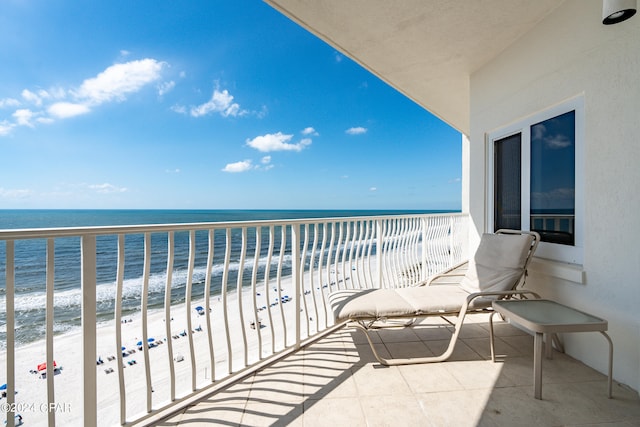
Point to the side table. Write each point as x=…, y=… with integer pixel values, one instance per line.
x=548, y=317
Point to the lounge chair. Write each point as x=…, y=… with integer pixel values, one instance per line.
x=497, y=270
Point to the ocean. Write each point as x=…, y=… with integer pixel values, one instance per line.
x=30, y=261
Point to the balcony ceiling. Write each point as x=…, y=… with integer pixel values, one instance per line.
x=426, y=49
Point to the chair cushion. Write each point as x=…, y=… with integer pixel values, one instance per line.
x=498, y=263
x=402, y=302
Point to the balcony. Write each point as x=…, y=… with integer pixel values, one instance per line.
x=182, y=323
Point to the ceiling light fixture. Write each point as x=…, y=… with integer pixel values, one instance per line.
x=614, y=11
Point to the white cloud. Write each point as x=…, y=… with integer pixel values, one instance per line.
x=9, y=102
x=266, y=163
x=64, y=110
x=220, y=102
x=181, y=109
x=356, y=130
x=5, y=128
x=31, y=97
x=106, y=188
x=557, y=142
x=172, y=170
x=23, y=117
x=113, y=84
x=166, y=87
x=236, y=167
x=14, y=194
x=309, y=131
x=119, y=80
x=373, y=189
x=45, y=120
x=277, y=142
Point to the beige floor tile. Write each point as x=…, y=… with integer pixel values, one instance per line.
x=470, y=330
x=433, y=332
x=393, y=411
x=461, y=350
x=358, y=337
x=391, y=335
x=273, y=385
x=333, y=412
x=377, y=380
x=482, y=346
x=477, y=374
x=365, y=355
x=318, y=385
x=429, y=378
x=272, y=414
x=408, y=349
x=503, y=329
x=454, y=408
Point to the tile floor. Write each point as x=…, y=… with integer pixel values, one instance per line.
x=337, y=382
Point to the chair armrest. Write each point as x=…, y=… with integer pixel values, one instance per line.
x=502, y=294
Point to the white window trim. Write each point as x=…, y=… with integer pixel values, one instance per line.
x=563, y=253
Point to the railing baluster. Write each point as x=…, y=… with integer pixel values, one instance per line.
x=371, y=230
x=312, y=261
x=267, y=272
x=145, y=320
x=225, y=306
x=167, y=312
x=11, y=328
x=88, y=315
x=283, y=244
x=187, y=301
x=329, y=252
x=295, y=274
x=254, y=290
x=243, y=254
x=207, y=303
x=49, y=328
x=303, y=257
x=320, y=270
x=345, y=249
x=118, y=325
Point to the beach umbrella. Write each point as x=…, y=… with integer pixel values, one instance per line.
x=124, y=348
x=3, y=387
x=151, y=339
x=43, y=366
x=139, y=343
x=199, y=308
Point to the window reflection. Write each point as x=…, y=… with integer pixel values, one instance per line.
x=553, y=179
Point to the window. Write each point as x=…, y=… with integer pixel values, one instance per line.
x=535, y=179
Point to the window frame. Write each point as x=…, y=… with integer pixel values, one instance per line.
x=557, y=252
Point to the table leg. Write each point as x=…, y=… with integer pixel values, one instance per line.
x=548, y=346
x=537, y=365
x=491, y=337
x=610, y=372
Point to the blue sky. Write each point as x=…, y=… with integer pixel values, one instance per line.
x=204, y=105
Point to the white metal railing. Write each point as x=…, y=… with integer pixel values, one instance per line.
x=260, y=288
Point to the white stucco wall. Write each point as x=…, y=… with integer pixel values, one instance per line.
x=571, y=53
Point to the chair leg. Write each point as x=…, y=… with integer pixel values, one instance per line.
x=413, y=361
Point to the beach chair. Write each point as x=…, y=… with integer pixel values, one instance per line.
x=497, y=270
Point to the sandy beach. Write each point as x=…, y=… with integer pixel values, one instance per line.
x=31, y=387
